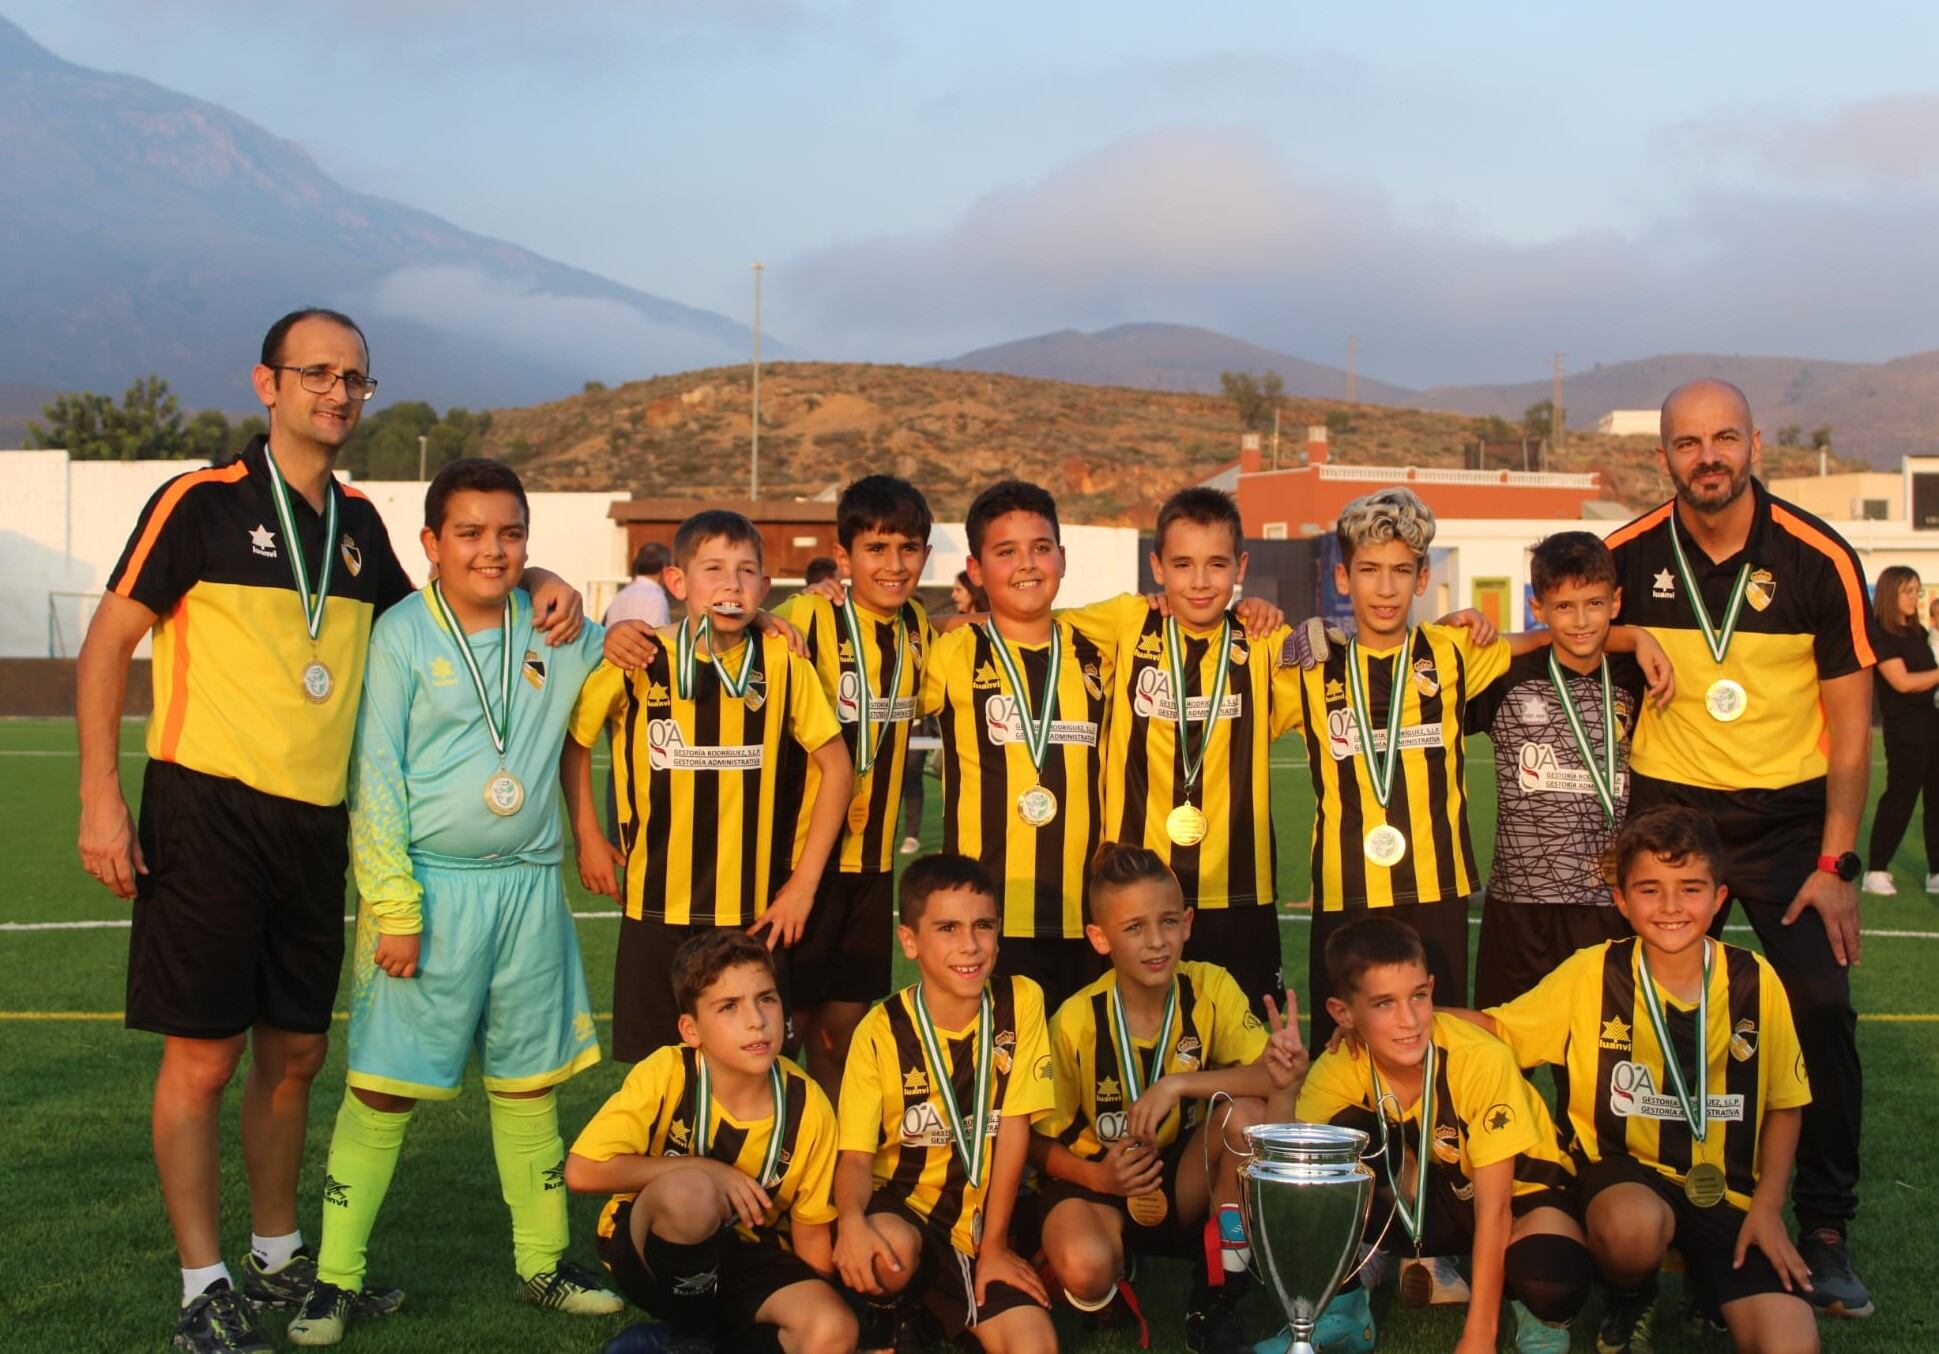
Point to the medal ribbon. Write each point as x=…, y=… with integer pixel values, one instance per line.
x=500, y=726
x=1602, y=777
x=1696, y=1114
x=1380, y=767
x=1718, y=640
x=686, y=652
x=1036, y=732
x=868, y=738
x=1128, y=1066
x=971, y=1152
x=279, y=493
x=1194, y=761
x=1413, y=1219
x=703, y=1115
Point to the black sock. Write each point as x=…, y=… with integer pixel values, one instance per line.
x=690, y=1278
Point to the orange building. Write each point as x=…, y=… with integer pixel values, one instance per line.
x=792, y=531
x=1306, y=499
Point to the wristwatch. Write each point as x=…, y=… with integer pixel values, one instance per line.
x=1846, y=866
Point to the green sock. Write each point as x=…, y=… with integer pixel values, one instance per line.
x=531, y=1172
x=363, y=1155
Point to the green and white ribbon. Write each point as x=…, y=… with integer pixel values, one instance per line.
x=686, y=659
x=1133, y=1074
x=1602, y=777
x=1414, y=1219
x=868, y=736
x=499, y=726
x=1193, y=760
x=1036, y=730
x=971, y=1140
x=1380, y=765
x=703, y=1118
x=1696, y=1112
x=279, y=493
x=1718, y=640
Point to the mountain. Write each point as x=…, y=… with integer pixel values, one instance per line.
x=1165, y=357
x=142, y=230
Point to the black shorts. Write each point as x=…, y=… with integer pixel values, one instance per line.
x=1172, y=1236
x=843, y=953
x=239, y=920
x=1521, y=943
x=1706, y=1237
x=751, y=1272
x=1443, y=929
x=945, y=1279
x=1059, y=966
x=645, y=1014
x=1244, y=941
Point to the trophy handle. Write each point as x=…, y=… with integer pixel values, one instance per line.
x=1380, y=1152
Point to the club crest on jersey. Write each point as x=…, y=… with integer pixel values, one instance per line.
x=1239, y=654
x=534, y=670
x=353, y=558
x=1743, y=1040
x=1761, y=591
x=1003, y=1051
x=1616, y=1034
x=1426, y=678
x=1189, y=1053
x=1093, y=681
x=442, y=673
x=1447, y=1144
x=757, y=691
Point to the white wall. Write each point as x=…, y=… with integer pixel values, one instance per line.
x=1103, y=561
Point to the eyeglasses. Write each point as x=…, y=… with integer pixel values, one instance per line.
x=321, y=381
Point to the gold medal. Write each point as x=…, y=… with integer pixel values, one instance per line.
x=504, y=794
x=1704, y=1185
x=317, y=682
x=1725, y=700
x=858, y=814
x=1037, y=806
x=1386, y=845
x=1147, y=1210
x=1185, y=825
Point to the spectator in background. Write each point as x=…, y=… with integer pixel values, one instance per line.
x=643, y=599
x=819, y=569
x=969, y=600
x=1932, y=636
x=1906, y=676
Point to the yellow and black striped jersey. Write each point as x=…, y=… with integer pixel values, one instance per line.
x=1144, y=765
x=890, y=1107
x=986, y=767
x=1588, y=1019
x=1217, y=1029
x=652, y=1115
x=868, y=839
x=702, y=818
x=1484, y=1109
x=208, y=556
x=1444, y=670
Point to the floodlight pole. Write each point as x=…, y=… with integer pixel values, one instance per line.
x=754, y=453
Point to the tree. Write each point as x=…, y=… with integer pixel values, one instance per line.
x=145, y=426
x=1821, y=437
x=1493, y=428
x=1542, y=418
x=1255, y=397
x=1790, y=435
x=385, y=445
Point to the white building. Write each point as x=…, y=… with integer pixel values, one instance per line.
x=1631, y=423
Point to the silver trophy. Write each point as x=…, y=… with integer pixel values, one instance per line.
x=1305, y=1194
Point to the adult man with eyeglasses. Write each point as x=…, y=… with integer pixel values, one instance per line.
x=260, y=580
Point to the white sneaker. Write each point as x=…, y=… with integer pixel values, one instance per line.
x=1932, y=883
x=1431, y=1282
x=910, y=846
x=1880, y=882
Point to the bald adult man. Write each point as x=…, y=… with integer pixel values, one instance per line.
x=259, y=580
x=1763, y=611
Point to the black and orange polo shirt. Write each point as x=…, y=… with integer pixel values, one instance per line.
x=1805, y=618
x=207, y=557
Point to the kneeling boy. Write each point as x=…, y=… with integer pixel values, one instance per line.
x=942, y=1082
x=706, y=1148
x=1138, y=1056
x=1677, y=1149
x=464, y=939
x=1476, y=1167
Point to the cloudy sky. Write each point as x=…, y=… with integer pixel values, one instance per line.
x=1466, y=187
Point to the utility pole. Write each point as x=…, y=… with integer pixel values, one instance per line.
x=1275, y=435
x=1353, y=345
x=754, y=452
x=1555, y=407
